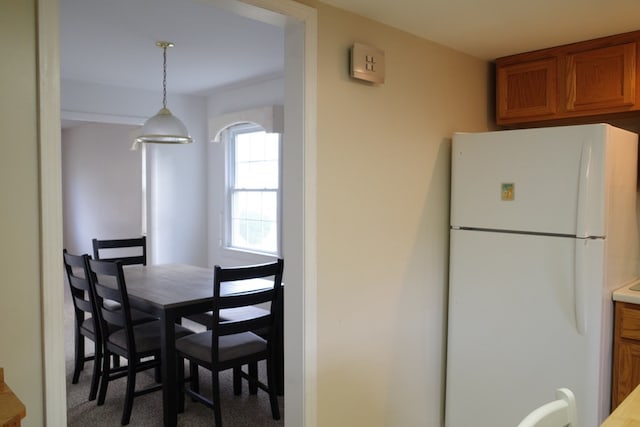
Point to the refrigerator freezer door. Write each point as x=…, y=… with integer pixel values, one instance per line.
x=512, y=333
x=548, y=180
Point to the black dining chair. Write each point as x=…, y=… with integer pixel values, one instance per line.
x=243, y=313
x=233, y=344
x=129, y=251
x=86, y=325
x=123, y=336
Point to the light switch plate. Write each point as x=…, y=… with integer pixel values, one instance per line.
x=367, y=63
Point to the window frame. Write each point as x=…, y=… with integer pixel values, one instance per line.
x=229, y=134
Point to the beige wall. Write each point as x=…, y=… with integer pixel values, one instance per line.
x=20, y=318
x=383, y=207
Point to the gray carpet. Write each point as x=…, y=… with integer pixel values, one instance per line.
x=237, y=411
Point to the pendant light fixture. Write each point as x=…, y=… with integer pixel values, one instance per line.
x=164, y=127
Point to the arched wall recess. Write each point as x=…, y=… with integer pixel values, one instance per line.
x=270, y=118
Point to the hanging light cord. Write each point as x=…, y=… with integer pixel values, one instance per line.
x=164, y=45
x=164, y=76
x=164, y=127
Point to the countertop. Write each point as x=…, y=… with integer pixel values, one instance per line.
x=627, y=414
x=627, y=293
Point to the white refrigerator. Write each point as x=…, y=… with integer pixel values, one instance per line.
x=543, y=228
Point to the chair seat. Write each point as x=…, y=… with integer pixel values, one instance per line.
x=147, y=336
x=234, y=346
x=89, y=326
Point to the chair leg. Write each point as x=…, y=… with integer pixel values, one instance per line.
x=157, y=374
x=253, y=378
x=95, y=379
x=271, y=383
x=237, y=381
x=215, y=385
x=129, y=394
x=104, y=379
x=79, y=362
x=195, y=379
x=180, y=380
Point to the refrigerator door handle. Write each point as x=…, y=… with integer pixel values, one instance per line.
x=582, y=208
x=579, y=286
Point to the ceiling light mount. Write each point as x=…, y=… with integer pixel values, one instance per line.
x=164, y=127
x=164, y=45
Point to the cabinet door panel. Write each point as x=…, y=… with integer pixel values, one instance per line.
x=629, y=322
x=626, y=371
x=601, y=78
x=527, y=89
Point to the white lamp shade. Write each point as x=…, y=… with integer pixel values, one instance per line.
x=164, y=128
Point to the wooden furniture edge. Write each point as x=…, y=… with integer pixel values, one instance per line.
x=627, y=413
x=12, y=410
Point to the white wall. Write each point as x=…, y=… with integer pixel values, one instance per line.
x=176, y=175
x=177, y=187
x=101, y=183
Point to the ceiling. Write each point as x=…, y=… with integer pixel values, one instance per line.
x=113, y=42
x=489, y=29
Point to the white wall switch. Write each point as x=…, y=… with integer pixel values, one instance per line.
x=367, y=63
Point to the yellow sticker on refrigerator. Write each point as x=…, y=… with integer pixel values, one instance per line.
x=507, y=192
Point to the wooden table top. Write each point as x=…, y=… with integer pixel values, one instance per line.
x=171, y=285
x=627, y=414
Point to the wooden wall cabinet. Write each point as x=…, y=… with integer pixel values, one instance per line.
x=626, y=351
x=594, y=79
x=527, y=89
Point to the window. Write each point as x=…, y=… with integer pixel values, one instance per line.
x=253, y=189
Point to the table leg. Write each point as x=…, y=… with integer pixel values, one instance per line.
x=169, y=380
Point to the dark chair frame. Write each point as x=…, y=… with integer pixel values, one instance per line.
x=141, y=242
x=108, y=284
x=83, y=306
x=221, y=330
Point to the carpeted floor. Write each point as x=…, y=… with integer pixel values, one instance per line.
x=237, y=411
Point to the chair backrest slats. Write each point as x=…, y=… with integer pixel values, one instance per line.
x=119, y=250
x=77, y=272
x=253, y=324
x=83, y=304
x=561, y=412
x=271, y=296
x=108, y=284
x=242, y=300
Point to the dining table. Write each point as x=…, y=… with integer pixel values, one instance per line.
x=173, y=291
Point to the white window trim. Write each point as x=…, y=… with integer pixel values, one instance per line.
x=271, y=118
x=226, y=135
